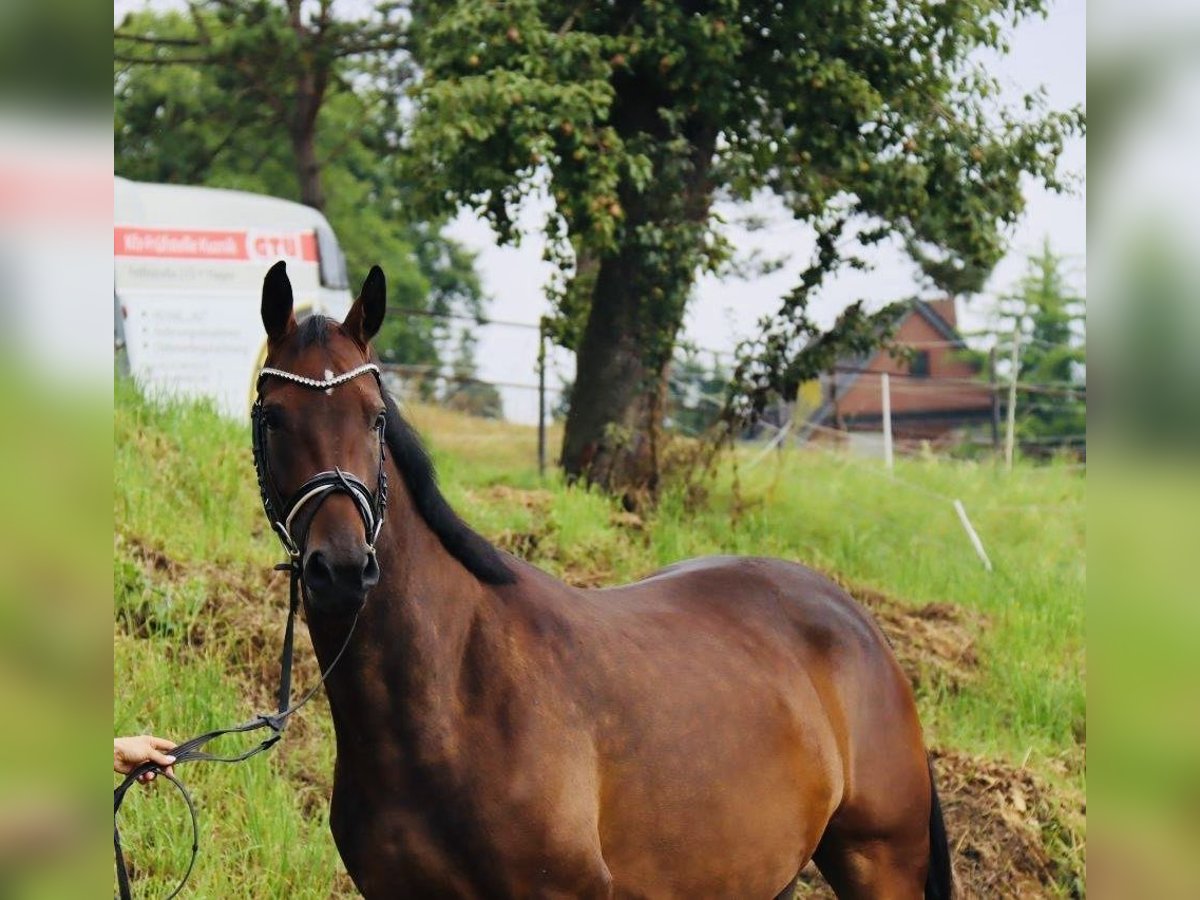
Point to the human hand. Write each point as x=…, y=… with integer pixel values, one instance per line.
x=131, y=752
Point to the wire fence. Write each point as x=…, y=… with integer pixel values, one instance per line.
x=697, y=396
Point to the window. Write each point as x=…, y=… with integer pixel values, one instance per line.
x=919, y=364
x=333, y=263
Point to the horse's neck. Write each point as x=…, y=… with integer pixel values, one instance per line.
x=403, y=665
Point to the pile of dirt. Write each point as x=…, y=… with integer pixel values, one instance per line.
x=529, y=544
x=934, y=642
x=535, y=500
x=540, y=543
x=1011, y=833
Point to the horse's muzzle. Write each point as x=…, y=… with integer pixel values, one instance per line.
x=338, y=582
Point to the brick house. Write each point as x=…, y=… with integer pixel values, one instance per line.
x=935, y=394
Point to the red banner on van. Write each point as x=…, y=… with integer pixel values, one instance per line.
x=188, y=243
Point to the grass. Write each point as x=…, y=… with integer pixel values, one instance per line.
x=256, y=838
x=184, y=488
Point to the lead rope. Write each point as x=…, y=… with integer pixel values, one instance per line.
x=191, y=750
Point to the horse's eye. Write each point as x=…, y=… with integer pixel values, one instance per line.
x=273, y=418
x=380, y=420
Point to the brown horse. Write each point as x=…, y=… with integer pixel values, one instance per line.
x=702, y=733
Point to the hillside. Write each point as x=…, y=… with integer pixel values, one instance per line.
x=997, y=659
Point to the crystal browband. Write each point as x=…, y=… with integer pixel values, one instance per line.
x=331, y=382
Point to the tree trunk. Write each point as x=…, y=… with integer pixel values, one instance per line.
x=623, y=357
x=308, y=168
x=616, y=403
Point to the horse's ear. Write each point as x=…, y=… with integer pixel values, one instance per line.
x=366, y=315
x=277, y=314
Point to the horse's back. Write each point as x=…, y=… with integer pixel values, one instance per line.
x=784, y=609
x=773, y=598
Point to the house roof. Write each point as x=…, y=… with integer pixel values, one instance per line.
x=863, y=361
x=940, y=325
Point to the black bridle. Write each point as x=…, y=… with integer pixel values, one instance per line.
x=372, y=508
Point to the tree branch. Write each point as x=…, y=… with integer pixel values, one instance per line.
x=569, y=23
x=158, y=41
x=271, y=98
x=352, y=134
x=197, y=172
x=198, y=21
x=294, y=16
x=164, y=60
x=383, y=45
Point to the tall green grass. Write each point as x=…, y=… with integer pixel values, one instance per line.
x=256, y=840
x=184, y=488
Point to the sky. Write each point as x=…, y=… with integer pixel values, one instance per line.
x=1049, y=52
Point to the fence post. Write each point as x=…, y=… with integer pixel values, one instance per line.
x=885, y=385
x=1012, y=395
x=972, y=535
x=838, y=424
x=541, y=365
x=995, y=402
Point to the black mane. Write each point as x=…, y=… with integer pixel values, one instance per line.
x=469, y=547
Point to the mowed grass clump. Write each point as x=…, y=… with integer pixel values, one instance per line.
x=192, y=549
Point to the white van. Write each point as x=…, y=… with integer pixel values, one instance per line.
x=189, y=268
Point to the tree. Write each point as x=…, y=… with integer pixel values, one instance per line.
x=637, y=116
x=276, y=60
x=1052, y=352
x=189, y=110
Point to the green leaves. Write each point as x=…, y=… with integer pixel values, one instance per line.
x=792, y=349
x=817, y=102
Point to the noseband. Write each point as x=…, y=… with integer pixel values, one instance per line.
x=371, y=507
x=282, y=516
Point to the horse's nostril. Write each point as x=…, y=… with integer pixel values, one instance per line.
x=370, y=574
x=317, y=571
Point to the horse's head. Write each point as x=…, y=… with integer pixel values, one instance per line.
x=318, y=426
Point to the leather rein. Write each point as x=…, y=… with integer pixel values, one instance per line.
x=372, y=508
